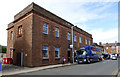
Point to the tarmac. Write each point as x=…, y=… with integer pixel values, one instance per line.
x=9, y=69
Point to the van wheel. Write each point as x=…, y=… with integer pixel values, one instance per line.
x=88, y=61
x=98, y=59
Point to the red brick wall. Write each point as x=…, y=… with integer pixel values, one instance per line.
x=9, y=41
x=24, y=43
x=33, y=39
x=40, y=39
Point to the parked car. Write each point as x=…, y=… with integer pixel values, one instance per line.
x=114, y=57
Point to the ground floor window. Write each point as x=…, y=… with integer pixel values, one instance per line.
x=44, y=52
x=56, y=52
x=11, y=53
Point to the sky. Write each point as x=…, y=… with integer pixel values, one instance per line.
x=97, y=17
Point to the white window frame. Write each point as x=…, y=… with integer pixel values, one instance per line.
x=86, y=41
x=75, y=37
x=45, y=27
x=11, y=35
x=80, y=39
x=56, y=32
x=57, y=50
x=68, y=35
x=46, y=49
x=89, y=42
x=19, y=30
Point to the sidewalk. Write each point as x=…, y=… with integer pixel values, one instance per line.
x=17, y=69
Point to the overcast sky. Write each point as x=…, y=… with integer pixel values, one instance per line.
x=98, y=17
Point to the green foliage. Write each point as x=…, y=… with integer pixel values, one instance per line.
x=3, y=49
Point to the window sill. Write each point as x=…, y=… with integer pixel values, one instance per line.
x=19, y=36
x=45, y=33
x=45, y=58
x=57, y=58
x=56, y=37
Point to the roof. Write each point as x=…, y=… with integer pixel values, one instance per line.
x=109, y=44
x=41, y=11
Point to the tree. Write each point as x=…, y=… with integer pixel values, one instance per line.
x=4, y=49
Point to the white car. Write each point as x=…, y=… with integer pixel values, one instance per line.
x=114, y=58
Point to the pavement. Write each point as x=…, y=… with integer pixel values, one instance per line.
x=9, y=69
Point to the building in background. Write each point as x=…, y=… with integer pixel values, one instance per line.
x=110, y=48
x=99, y=45
x=38, y=37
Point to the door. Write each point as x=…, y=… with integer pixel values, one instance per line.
x=19, y=59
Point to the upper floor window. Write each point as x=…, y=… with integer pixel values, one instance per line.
x=56, y=32
x=20, y=30
x=44, y=52
x=68, y=35
x=113, y=47
x=89, y=42
x=75, y=37
x=86, y=41
x=56, y=52
x=45, y=28
x=11, y=35
x=79, y=39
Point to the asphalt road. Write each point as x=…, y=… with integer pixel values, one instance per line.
x=106, y=67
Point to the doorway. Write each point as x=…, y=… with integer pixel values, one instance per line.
x=19, y=59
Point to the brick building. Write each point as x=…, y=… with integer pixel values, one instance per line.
x=39, y=37
x=99, y=45
x=110, y=48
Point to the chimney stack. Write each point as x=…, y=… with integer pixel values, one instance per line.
x=100, y=43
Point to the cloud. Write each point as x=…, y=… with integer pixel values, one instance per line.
x=99, y=35
x=78, y=12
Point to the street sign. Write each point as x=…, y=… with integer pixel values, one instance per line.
x=71, y=46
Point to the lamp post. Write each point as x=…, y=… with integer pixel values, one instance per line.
x=72, y=44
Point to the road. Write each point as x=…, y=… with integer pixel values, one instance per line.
x=106, y=67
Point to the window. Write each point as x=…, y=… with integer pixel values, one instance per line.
x=56, y=32
x=89, y=42
x=44, y=52
x=86, y=41
x=11, y=35
x=68, y=35
x=79, y=39
x=45, y=28
x=20, y=30
x=11, y=53
x=56, y=52
x=113, y=51
x=113, y=47
x=75, y=37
